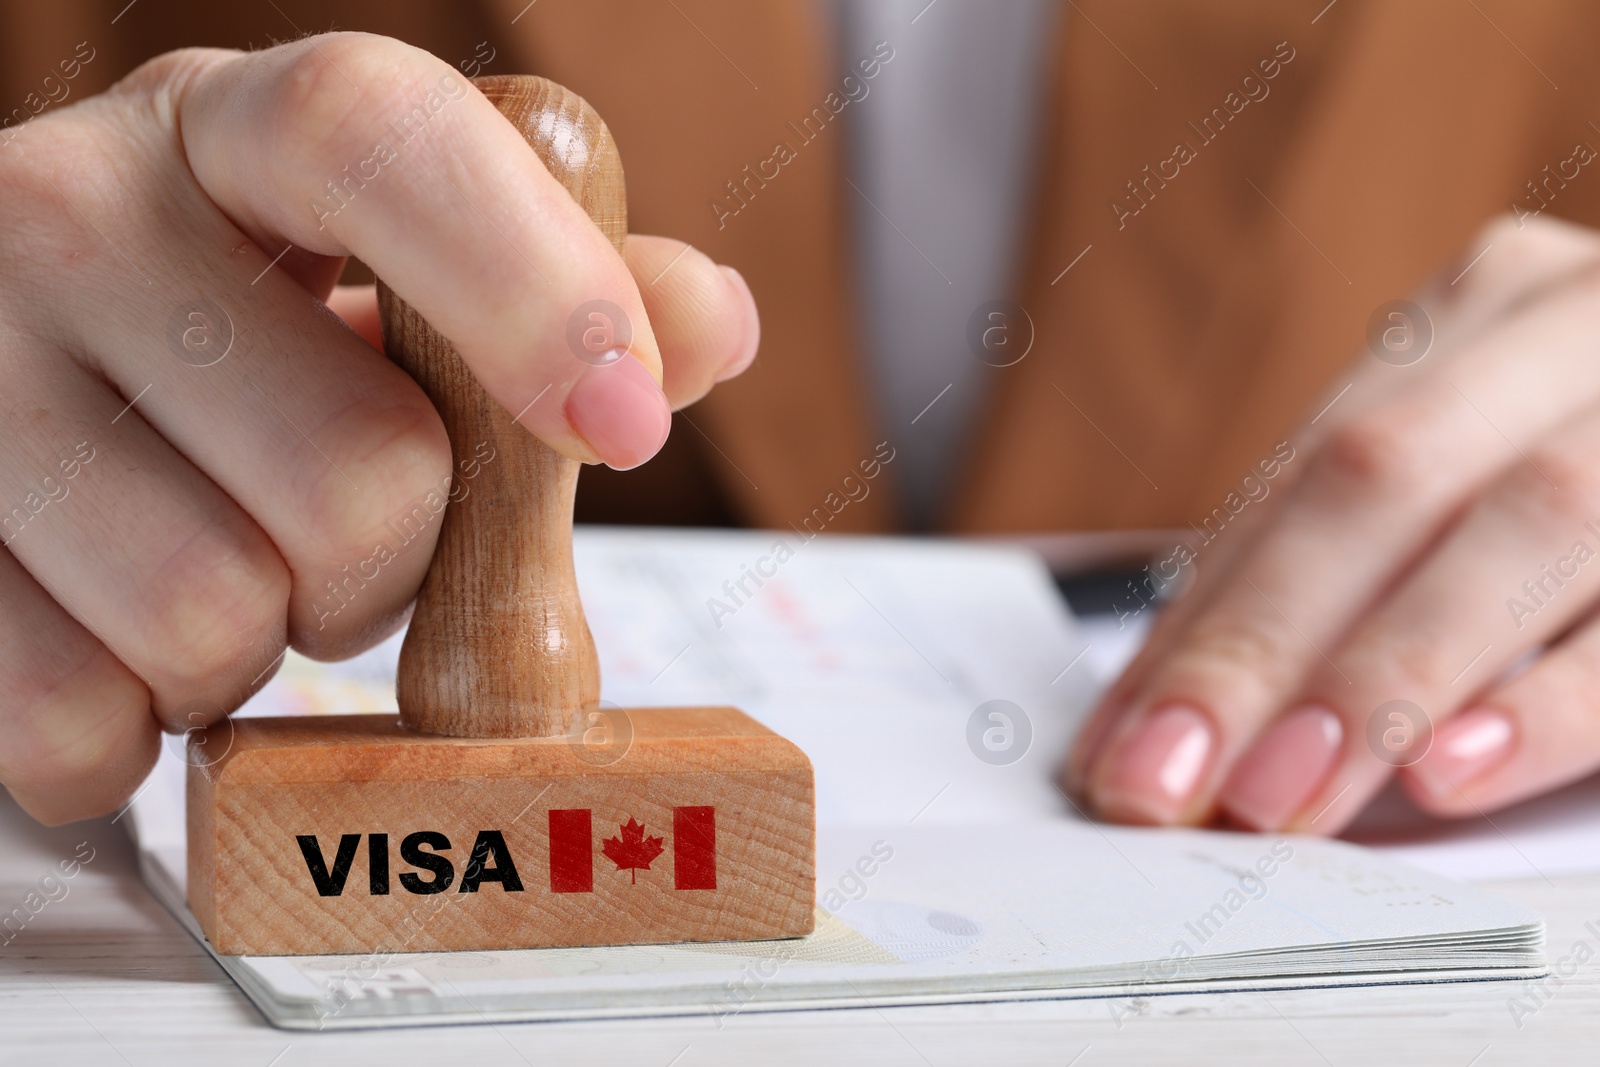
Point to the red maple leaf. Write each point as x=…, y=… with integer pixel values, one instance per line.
x=630, y=850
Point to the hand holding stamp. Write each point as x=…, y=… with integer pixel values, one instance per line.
x=485, y=818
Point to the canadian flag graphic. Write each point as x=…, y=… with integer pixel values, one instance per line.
x=632, y=848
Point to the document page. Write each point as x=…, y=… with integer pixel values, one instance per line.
x=934, y=686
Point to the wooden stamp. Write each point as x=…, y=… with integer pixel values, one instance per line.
x=504, y=808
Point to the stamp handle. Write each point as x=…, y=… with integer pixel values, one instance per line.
x=498, y=645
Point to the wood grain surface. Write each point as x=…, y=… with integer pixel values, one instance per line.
x=498, y=646
x=702, y=831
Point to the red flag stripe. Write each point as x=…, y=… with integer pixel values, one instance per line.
x=571, y=851
x=694, y=848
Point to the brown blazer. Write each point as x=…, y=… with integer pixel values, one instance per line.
x=1237, y=187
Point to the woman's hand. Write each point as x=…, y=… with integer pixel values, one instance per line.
x=193, y=445
x=1418, y=589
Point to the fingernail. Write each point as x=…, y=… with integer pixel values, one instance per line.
x=621, y=412
x=1464, y=749
x=1284, y=768
x=746, y=354
x=1158, y=769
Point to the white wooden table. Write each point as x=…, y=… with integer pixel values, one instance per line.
x=105, y=976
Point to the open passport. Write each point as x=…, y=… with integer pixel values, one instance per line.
x=935, y=686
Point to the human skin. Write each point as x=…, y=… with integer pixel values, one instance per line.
x=1387, y=564
x=179, y=522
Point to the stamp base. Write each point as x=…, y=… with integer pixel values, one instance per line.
x=352, y=834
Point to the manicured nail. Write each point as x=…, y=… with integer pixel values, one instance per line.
x=1284, y=768
x=746, y=353
x=1157, y=770
x=1464, y=749
x=621, y=412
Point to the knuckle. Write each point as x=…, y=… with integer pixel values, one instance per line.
x=1522, y=236
x=62, y=166
x=1554, y=487
x=1584, y=280
x=1506, y=230
x=220, y=601
x=396, y=454
x=31, y=227
x=338, y=89
x=61, y=773
x=1527, y=248
x=1375, y=457
x=1534, y=257
x=1242, y=649
x=169, y=71
x=21, y=180
x=1394, y=664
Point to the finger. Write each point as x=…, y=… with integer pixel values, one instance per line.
x=332, y=449
x=1535, y=733
x=357, y=305
x=139, y=547
x=79, y=736
x=1507, y=578
x=326, y=443
x=1508, y=262
x=414, y=171
x=316, y=274
x=1389, y=480
x=704, y=315
x=1505, y=264
x=1508, y=266
x=337, y=454
x=1245, y=650
x=1184, y=576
